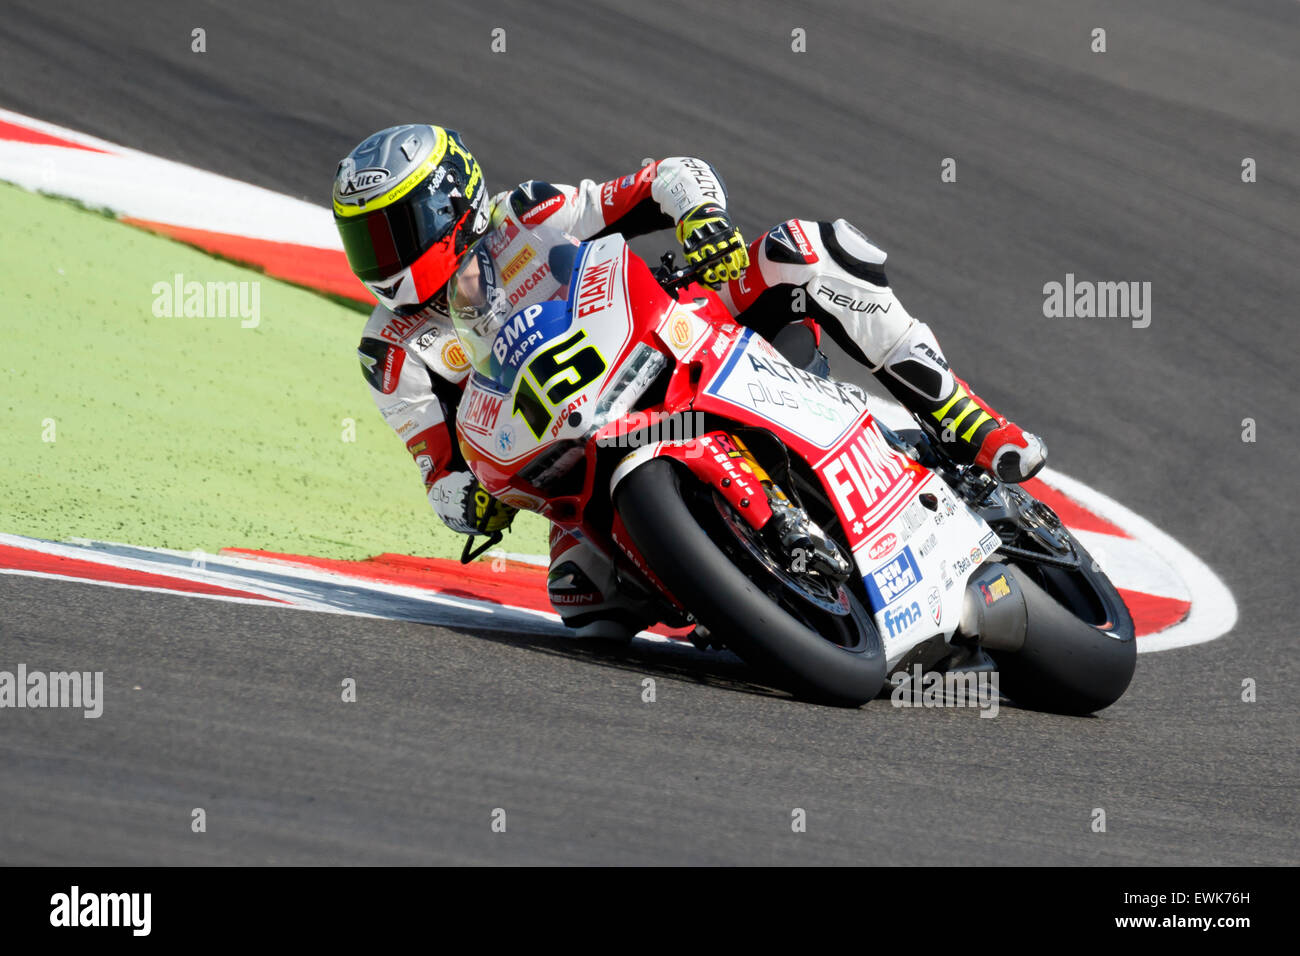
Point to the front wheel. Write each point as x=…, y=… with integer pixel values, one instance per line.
x=812, y=638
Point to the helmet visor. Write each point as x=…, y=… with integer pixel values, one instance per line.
x=381, y=243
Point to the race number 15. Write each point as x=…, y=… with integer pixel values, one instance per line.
x=561, y=371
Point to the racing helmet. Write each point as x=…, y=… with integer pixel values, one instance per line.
x=409, y=201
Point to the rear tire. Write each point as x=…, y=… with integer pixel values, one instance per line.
x=734, y=603
x=1065, y=666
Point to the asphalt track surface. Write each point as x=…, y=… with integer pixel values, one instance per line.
x=1116, y=166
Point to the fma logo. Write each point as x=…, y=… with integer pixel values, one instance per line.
x=889, y=582
x=896, y=622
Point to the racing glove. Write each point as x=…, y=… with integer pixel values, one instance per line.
x=465, y=507
x=709, y=239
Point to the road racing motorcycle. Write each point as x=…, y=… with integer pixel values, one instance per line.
x=740, y=493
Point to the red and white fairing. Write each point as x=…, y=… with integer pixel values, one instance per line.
x=911, y=538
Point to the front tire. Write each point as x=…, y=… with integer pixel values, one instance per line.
x=752, y=611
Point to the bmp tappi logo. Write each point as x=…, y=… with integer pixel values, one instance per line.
x=75, y=909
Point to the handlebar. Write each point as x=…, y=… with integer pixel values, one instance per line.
x=670, y=276
x=673, y=278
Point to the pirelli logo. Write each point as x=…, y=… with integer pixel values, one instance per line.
x=521, y=259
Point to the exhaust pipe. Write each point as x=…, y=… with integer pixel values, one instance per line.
x=993, y=609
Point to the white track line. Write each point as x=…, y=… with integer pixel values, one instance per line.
x=142, y=186
x=1213, y=613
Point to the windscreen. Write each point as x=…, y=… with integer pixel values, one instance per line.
x=499, y=291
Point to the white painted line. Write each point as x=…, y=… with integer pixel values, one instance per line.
x=73, y=552
x=141, y=186
x=230, y=578
x=228, y=598
x=1213, y=613
x=1134, y=565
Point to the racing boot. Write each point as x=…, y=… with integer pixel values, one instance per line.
x=583, y=588
x=965, y=427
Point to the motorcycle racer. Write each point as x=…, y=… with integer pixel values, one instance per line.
x=409, y=202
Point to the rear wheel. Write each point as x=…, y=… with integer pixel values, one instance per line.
x=1080, y=650
x=1065, y=665
x=807, y=633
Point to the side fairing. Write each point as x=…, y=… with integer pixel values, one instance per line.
x=914, y=543
x=814, y=412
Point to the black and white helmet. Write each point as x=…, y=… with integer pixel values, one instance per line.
x=409, y=201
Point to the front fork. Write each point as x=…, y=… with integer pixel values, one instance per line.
x=793, y=532
x=724, y=463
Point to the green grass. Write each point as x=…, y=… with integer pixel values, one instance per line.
x=189, y=433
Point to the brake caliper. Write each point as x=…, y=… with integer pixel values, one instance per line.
x=806, y=544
